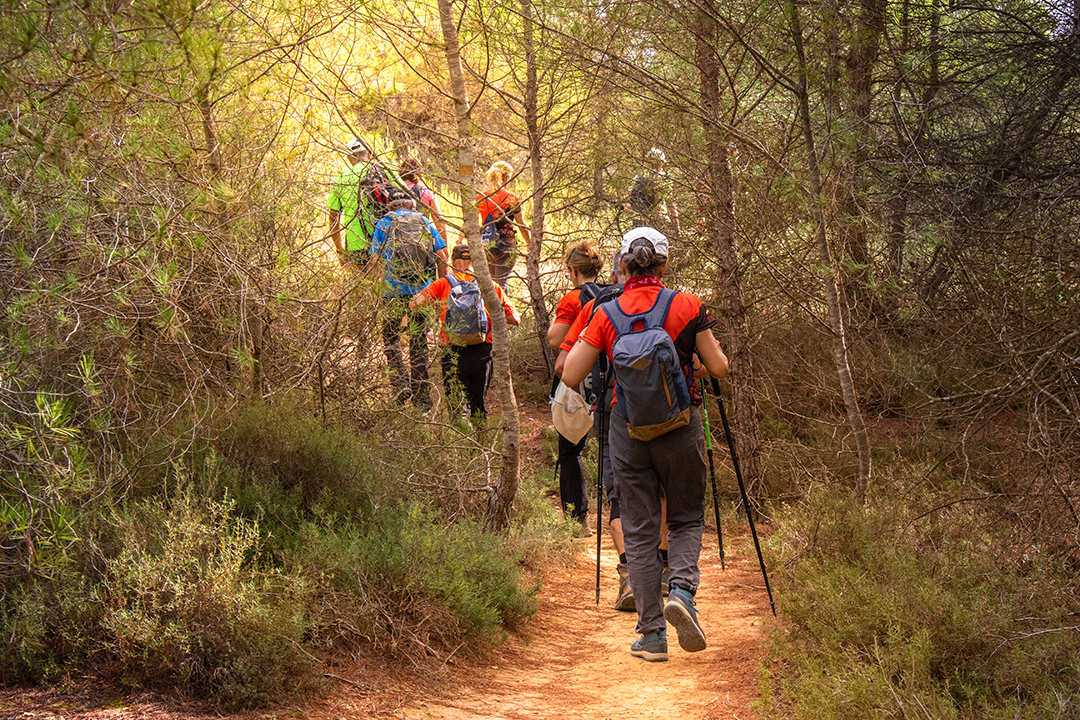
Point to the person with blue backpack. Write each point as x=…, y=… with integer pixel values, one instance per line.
x=651, y=335
x=466, y=331
x=412, y=254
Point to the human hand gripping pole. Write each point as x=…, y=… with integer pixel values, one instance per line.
x=742, y=489
x=712, y=475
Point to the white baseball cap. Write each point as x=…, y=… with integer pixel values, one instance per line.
x=357, y=145
x=656, y=238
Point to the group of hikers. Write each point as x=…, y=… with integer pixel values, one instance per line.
x=392, y=220
x=634, y=349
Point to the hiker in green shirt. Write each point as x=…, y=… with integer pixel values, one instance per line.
x=343, y=204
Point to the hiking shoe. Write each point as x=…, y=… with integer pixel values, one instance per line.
x=680, y=612
x=665, y=581
x=651, y=647
x=625, y=601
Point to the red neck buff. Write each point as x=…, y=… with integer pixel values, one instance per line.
x=642, y=281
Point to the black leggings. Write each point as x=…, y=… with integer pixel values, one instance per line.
x=467, y=370
x=414, y=383
x=572, y=489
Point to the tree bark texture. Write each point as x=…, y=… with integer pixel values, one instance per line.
x=532, y=125
x=852, y=191
x=720, y=211
x=502, y=495
x=828, y=270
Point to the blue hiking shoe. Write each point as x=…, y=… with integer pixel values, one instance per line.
x=651, y=647
x=679, y=611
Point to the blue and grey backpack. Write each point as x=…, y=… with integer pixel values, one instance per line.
x=467, y=321
x=650, y=388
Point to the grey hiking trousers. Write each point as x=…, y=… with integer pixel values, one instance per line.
x=672, y=465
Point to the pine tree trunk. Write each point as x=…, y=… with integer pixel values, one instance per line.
x=502, y=495
x=720, y=227
x=828, y=274
x=532, y=126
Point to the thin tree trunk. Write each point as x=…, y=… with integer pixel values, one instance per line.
x=721, y=230
x=828, y=275
x=532, y=126
x=502, y=495
x=853, y=235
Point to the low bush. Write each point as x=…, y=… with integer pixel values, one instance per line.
x=891, y=612
x=269, y=540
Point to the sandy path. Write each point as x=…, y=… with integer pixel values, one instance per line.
x=573, y=658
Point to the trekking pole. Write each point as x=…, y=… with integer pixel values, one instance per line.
x=555, y=477
x=712, y=476
x=742, y=489
x=599, y=407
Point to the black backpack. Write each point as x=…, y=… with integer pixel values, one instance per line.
x=411, y=259
x=498, y=230
x=375, y=192
x=644, y=194
x=601, y=369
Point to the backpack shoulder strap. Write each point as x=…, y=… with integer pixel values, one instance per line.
x=454, y=282
x=653, y=317
x=657, y=314
x=606, y=294
x=588, y=291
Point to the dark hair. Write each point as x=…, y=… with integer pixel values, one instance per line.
x=584, y=258
x=410, y=169
x=616, y=271
x=642, y=259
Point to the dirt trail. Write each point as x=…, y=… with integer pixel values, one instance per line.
x=573, y=657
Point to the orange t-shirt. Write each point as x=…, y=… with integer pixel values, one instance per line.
x=685, y=319
x=581, y=321
x=440, y=290
x=569, y=307
x=502, y=200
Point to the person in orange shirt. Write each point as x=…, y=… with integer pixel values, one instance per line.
x=466, y=362
x=582, y=263
x=672, y=463
x=500, y=219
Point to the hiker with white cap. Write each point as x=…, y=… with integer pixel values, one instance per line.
x=347, y=229
x=651, y=335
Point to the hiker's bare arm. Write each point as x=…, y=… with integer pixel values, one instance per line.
x=335, y=230
x=441, y=257
x=421, y=299
x=579, y=362
x=512, y=317
x=436, y=216
x=673, y=215
x=712, y=357
x=557, y=333
x=560, y=362
x=700, y=370
x=519, y=220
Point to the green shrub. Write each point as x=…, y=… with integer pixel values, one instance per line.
x=182, y=605
x=880, y=616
